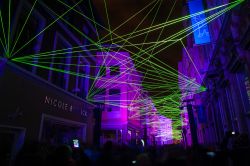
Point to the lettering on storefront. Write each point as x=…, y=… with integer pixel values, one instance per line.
x=58, y=104
x=62, y=105
x=83, y=112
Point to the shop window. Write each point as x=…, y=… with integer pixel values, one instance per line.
x=114, y=70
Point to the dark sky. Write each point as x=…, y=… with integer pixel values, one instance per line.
x=121, y=10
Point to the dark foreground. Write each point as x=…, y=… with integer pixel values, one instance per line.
x=38, y=154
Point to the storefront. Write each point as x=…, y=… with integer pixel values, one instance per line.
x=33, y=109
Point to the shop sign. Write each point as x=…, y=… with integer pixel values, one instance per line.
x=61, y=105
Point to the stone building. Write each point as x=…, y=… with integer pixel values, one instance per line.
x=222, y=66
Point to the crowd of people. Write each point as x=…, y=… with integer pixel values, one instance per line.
x=231, y=153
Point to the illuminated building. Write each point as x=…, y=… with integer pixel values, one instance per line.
x=128, y=113
x=164, y=132
x=40, y=100
x=222, y=66
x=118, y=88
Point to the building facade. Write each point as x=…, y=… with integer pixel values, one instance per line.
x=118, y=88
x=222, y=66
x=45, y=74
x=128, y=113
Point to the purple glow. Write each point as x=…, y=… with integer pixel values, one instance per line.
x=131, y=110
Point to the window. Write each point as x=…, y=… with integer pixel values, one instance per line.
x=34, y=25
x=102, y=71
x=114, y=92
x=114, y=70
x=100, y=91
x=61, y=78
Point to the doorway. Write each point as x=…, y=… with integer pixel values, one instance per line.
x=58, y=131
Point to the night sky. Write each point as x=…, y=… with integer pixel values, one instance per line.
x=121, y=10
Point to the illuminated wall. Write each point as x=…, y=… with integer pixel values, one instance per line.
x=165, y=130
x=127, y=107
x=223, y=68
x=118, y=87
